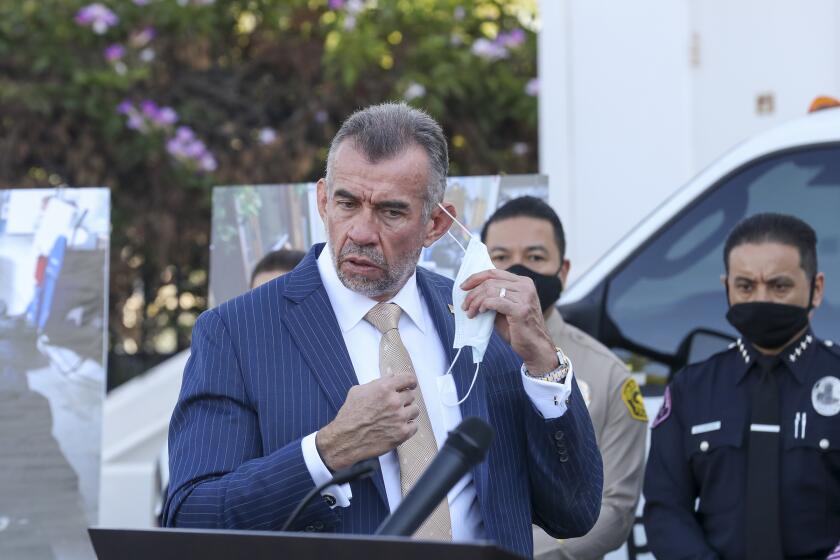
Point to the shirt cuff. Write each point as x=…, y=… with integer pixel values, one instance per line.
x=334, y=495
x=547, y=396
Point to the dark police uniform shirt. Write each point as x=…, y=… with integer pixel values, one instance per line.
x=698, y=450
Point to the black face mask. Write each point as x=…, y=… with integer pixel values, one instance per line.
x=767, y=324
x=549, y=286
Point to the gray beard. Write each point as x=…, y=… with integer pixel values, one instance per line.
x=396, y=274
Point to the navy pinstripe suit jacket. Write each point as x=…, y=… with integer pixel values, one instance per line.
x=269, y=367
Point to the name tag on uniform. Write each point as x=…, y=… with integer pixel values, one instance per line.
x=707, y=427
x=767, y=428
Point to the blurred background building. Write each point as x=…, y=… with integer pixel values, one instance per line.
x=637, y=97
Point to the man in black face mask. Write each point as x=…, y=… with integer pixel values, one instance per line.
x=753, y=432
x=525, y=236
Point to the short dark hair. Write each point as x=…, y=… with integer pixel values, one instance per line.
x=776, y=228
x=384, y=131
x=529, y=207
x=281, y=260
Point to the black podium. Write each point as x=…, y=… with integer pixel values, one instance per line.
x=182, y=544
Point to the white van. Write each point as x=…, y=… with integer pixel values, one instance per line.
x=656, y=297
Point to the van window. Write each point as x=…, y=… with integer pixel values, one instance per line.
x=672, y=286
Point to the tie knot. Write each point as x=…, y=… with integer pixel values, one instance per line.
x=384, y=316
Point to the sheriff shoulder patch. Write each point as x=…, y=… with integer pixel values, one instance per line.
x=632, y=397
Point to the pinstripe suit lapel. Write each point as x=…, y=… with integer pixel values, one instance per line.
x=313, y=326
x=438, y=297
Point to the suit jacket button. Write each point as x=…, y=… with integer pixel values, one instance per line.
x=330, y=500
x=824, y=444
x=564, y=457
x=558, y=435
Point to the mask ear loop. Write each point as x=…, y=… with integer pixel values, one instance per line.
x=455, y=239
x=455, y=359
x=472, y=384
x=454, y=219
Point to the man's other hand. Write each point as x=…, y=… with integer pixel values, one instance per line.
x=376, y=417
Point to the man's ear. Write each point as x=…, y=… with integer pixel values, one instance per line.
x=724, y=279
x=439, y=223
x=322, y=196
x=564, y=271
x=819, y=290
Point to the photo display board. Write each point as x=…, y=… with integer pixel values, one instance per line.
x=54, y=247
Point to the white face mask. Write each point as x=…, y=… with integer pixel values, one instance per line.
x=475, y=332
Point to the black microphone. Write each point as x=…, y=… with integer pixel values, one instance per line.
x=359, y=471
x=465, y=447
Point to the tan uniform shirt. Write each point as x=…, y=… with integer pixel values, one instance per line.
x=618, y=416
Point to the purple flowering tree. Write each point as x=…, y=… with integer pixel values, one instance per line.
x=98, y=17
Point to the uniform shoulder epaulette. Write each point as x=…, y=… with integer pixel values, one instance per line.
x=832, y=347
x=732, y=347
x=699, y=369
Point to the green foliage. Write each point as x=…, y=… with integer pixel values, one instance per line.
x=261, y=86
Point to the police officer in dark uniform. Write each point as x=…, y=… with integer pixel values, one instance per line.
x=745, y=452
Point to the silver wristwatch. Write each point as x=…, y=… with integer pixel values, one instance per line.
x=558, y=374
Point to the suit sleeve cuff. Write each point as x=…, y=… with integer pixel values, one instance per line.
x=548, y=397
x=335, y=495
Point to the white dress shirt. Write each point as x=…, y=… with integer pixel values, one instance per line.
x=420, y=338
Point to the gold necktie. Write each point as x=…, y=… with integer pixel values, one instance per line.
x=417, y=452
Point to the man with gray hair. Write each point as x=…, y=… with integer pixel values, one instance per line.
x=347, y=358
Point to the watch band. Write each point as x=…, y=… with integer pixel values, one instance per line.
x=558, y=374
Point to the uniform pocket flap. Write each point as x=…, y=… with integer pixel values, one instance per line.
x=705, y=437
x=814, y=432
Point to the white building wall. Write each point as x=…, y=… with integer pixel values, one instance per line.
x=781, y=50
x=637, y=97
